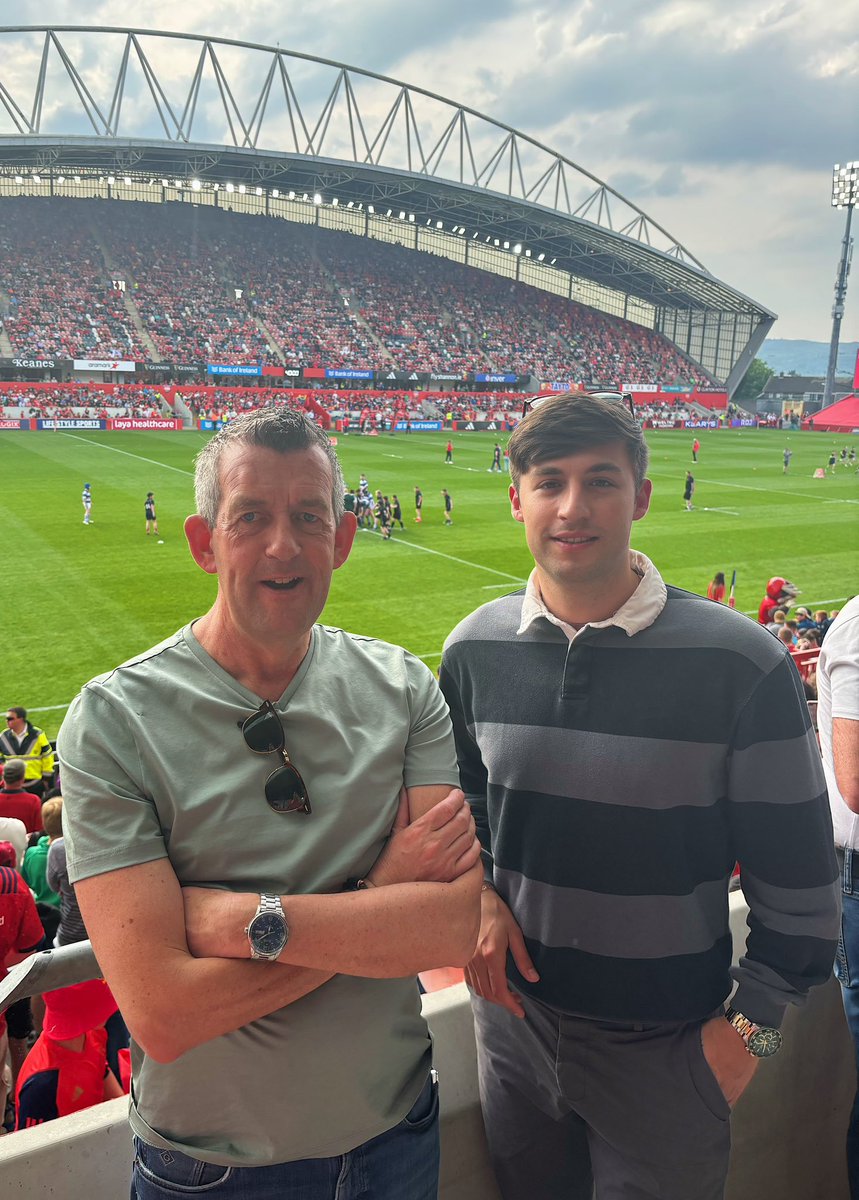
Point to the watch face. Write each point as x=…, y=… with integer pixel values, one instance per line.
x=267, y=933
x=763, y=1043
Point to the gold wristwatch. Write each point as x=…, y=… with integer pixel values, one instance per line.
x=760, y=1040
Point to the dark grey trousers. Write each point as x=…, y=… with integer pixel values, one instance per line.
x=575, y=1108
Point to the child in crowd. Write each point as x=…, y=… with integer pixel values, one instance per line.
x=67, y=1069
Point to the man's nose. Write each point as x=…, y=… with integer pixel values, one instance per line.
x=283, y=539
x=572, y=501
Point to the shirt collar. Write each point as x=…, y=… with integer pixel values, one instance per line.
x=640, y=610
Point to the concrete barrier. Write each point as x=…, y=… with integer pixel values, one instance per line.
x=788, y=1128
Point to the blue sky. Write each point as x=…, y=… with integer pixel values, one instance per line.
x=722, y=120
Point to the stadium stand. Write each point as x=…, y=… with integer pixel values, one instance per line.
x=205, y=285
x=59, y=297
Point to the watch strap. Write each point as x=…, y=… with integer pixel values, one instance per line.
x=760, y=1040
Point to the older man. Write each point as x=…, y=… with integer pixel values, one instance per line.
x=623, y=744
x=280, y=1049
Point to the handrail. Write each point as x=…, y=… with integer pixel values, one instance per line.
x=48, y=970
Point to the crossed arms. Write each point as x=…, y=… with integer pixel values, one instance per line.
x=168, y=955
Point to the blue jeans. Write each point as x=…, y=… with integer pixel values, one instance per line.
x=401, y=1164
x=847, y=972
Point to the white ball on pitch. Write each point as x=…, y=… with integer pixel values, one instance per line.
x=161, y=541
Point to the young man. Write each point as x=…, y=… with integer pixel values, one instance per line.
x=612, y=801
x=448, y=452
x=496, y=458
x=696, y=446
x=448, y=507
x=787, y=456
x=149, y=510
x=689, y=490
x=357, y=889
x=86, y=501
x=419, y=503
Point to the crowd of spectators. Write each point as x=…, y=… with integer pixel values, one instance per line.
x=67, y=1049
x=212, y=286
x=56, y=292
x=79, y=400
x=223, y=403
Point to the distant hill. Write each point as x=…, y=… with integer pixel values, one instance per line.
x=806, y=358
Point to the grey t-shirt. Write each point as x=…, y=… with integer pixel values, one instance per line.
x=154, y=764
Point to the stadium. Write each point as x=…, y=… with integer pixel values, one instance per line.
x=346, y=243
x=192, y=227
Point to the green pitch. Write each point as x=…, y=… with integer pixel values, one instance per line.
x=80, y=600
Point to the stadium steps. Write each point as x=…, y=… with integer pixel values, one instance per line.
x=140, y=329
x=273, y=343
x=129, y=305
x=349, y=300
x=458, y=321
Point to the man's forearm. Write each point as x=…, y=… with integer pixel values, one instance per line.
x=386, y=932
x=195, y=1000
x=381, y=933
x=845, y=760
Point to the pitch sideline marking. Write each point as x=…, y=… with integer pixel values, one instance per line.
x=128, y=454
x=745, y=487
x=464, y=561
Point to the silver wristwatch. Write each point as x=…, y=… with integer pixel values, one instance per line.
x=268, y=931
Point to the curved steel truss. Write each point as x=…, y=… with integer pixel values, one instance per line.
x=118, y=84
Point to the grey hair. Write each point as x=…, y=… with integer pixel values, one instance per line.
x=275, y=428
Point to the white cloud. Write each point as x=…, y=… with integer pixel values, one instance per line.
x=721, y=118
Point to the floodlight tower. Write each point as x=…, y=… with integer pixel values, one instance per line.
x=845, y=193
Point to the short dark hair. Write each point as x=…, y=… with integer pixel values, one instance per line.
x=276, y=428
x=572, y=422
x=19, y=712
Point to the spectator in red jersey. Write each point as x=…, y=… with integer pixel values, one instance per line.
x=15, y=801
x=67, y=1069
x=716, y=589
x=779, y=594
x=20, y=935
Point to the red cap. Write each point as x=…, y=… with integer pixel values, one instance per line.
x=75, y=1010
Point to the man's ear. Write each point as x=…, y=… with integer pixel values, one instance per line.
x=642, y=500
x=515, y=504
x=199, y=537
x=344, y=537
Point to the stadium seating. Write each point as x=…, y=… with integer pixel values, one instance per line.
x=205, y=285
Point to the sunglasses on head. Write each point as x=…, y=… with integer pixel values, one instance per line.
x=621, y=397
x=285, y=790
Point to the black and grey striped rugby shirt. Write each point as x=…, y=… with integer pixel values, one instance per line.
x=615, y=780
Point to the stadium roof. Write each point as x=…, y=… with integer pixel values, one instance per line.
x=142, y=105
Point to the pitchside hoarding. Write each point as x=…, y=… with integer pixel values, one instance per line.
x=115, y=365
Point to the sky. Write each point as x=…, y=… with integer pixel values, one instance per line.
x=721, y=119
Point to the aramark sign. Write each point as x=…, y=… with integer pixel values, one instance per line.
x=104, y=364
